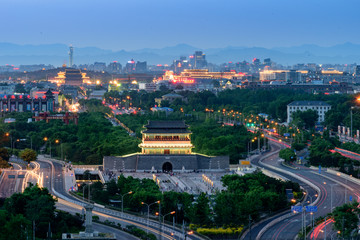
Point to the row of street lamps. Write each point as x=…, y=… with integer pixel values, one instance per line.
x=12, y=143
x=57, y=141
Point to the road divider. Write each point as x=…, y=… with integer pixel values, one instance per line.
x=277, y=220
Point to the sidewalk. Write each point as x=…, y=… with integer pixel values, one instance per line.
x=69, y=177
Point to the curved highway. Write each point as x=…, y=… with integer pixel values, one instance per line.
x=71, y=204
x=332, y=193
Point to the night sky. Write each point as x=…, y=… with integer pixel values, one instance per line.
x=137, y=24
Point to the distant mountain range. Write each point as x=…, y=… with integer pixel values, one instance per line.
x=57, y=54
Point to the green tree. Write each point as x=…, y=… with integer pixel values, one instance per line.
x=287, y=154
x=3, y=163
x=28, y=155
x=4, y=154
x=346, y=218
x=34, y=205
x=20, y=88
x=305, y=119
x=201, y=211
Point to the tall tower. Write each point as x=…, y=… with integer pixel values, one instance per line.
x=71, y=52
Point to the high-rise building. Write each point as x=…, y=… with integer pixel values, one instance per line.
x=198, y=60
x=357, y=70
x=71, y=55
x=267, y=62
x=242, y=67
x=141, y=67
x=130, y=66
x=180, y=64
x=114, y=67
x=293, y=76
x=99, y=66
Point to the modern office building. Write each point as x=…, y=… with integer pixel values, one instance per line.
x=114, y=68
x=141, y=67
x=198, y=60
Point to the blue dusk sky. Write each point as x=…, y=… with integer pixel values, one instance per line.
x=137, y=24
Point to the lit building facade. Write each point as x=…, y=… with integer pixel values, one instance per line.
x=70, y=76
x=166, y=137
x=319, y=106
x=26, y=103
x=166, y=146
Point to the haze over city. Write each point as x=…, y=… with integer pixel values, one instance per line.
x=139, y=24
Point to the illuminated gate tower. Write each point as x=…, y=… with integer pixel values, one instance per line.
x=166, y=137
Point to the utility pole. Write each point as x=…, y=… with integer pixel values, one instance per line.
x=325, y=229
x=160, y=220
x=34, y=230
x=351, y=118
x=250, y=227
x=49, y=234
x=89, y=189
x=342, y=232
x=346, y=192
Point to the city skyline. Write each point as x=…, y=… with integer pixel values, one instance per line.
x=134, y=25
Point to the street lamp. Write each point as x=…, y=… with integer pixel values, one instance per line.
x=8, y=135
x=122, y=201
x=188, y=233
x=163, y=218
x=148, y=212
x=311, y=201
x=17, y=140
x=331, y=194
x=57, y=141
x=47, y=139
x=332, y=235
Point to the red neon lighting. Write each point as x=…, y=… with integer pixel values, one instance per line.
x=183, y=80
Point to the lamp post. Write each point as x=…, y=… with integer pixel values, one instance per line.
x=57, y=141
x=46, y=139
x=332, y=235
x=17, y=140
x=122, y=201
x=163, y=219
x=351, y=118
x=331, y=195
x=331, y=186
x=148, y=212
x=311, y=201
x=8, y=135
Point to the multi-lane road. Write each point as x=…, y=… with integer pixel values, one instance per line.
x=331, y=190
x=71, y=204
x=326, y=191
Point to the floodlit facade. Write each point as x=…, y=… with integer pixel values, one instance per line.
x=166, y=137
